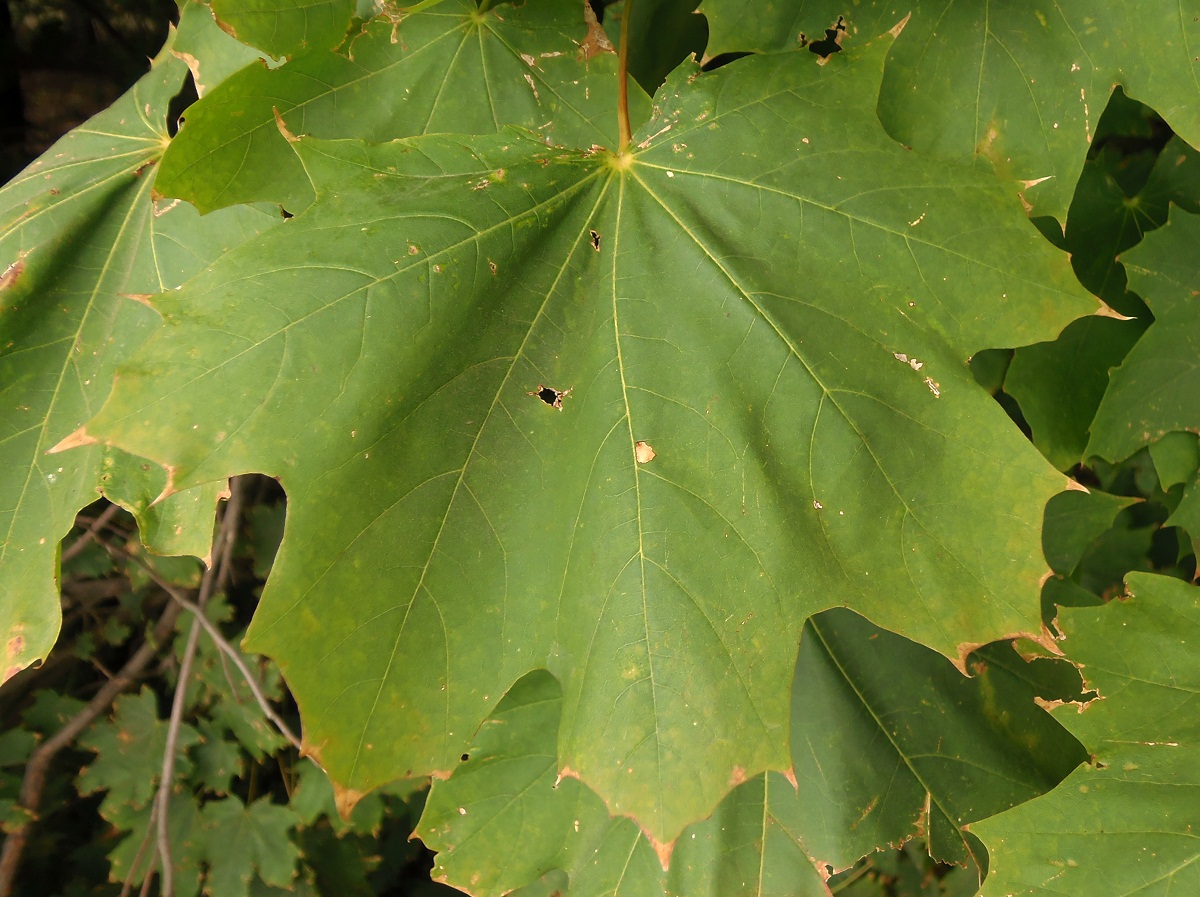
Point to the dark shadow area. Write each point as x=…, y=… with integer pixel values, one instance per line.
x=62, y=61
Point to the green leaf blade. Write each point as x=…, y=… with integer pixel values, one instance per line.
x=813, y=465
x=450, y=69
x=80, y=236
x=1124, y=824
x=284, y=27
x=1150, y=394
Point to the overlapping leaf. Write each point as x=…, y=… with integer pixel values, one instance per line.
x=285, y=28
x=448, y=69
x=1034, y=80
x=889, y=741
x=1153, y=392
x=79, y=230
x=1059, y=384
x=1124, y=824
x=210, y=53
x=765, y=411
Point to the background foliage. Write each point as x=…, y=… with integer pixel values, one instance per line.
x=581, y=435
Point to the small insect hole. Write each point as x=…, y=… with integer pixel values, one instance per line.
x=551, y=396
x=595, y=240
x=466, y=757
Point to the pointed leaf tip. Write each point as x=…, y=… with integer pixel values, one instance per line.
x=1107, y=311
x=663, y=849
x=78, y=438
x=169, y=489
x=895, y=30
x=346, y=799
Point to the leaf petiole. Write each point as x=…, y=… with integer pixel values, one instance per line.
x=623, y=81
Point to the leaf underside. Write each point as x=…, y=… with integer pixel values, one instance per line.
x=788, y=340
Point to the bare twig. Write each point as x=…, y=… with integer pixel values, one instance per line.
x=214, y=577
x=38, y=767
x=98, y=524
x=224, y=646
x=127, y=885
x=149, y=877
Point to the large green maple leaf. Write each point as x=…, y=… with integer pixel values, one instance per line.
x=628, y=418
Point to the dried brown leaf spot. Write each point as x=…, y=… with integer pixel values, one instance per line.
x=13, y=272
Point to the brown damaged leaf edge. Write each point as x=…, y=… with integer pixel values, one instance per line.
x=169, y=489
x=346, y=799
x=596, y=41
x=1080, y=706
x=81, y=437
x=662, y=849
x=1045, y=638
x=225, y=26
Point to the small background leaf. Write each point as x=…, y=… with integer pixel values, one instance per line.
x=1152, y=392
x=130, y=743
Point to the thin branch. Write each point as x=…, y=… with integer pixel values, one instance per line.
x=98, y=524
x=38, y=767
x=224, y=646
x=145, y=891
x=127, y=885
x=214, y=577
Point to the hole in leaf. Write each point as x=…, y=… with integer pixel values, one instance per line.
x=722, y=59
x=595, y=240
x=828, y=45
x=465, y=757
x=179, y=104
x=551, y=396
